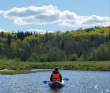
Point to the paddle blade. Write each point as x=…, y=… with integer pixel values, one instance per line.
x=45, y=82
x=66, y=79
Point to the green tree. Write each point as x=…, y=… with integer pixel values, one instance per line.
x=43, y=58
x=103, y=52
x=12, y=51
x=56, y=55
x=9, y=40
x=1, y=48
x=72, y=57
x=35, y=56
x=25, y=50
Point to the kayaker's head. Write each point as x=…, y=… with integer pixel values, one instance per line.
x=56, y=69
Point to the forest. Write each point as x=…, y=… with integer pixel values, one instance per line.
x=90, y=44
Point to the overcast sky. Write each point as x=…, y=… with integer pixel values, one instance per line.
x=52, y=15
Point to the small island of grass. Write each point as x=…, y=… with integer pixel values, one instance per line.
x=13, y=72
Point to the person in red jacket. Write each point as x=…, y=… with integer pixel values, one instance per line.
x=56, y=76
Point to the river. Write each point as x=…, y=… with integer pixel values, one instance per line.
x=79, y=82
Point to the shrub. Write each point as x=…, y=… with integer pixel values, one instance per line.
x=73, y=57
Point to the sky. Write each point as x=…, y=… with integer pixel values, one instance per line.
x=53, y=15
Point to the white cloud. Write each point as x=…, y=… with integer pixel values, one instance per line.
x=2, y=30
x=38, y=31
x=82, y=21
x=96, y=20
x=50, y=15
x=34, y=15
x=1, y=12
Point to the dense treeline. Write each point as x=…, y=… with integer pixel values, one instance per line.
x=83, y=44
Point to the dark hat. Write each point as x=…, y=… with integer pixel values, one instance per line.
x=56, y=69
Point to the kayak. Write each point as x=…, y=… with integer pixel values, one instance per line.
x=56, y=84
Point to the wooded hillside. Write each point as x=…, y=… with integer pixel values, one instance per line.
x=83, y=44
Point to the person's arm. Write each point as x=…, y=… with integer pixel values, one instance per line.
x=61, y=77
x=51, y=77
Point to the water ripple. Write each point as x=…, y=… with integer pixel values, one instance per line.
x=79, y=82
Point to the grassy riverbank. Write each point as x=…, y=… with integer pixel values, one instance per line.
x=24, y=67
x=75, y=65
x=8, y=72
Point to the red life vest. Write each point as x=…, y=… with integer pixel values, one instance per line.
x=56, y=77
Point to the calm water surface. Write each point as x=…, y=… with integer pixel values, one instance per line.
x=80, y=82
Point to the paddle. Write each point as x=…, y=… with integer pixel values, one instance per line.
x=46, y=82
x=66, y=79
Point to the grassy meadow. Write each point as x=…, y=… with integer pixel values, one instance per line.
x=75, y=65
x=18, y=67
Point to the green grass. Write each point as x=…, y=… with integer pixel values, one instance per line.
x=16, y=72
x=24, y=67
x=75, y=65
x=13, y=65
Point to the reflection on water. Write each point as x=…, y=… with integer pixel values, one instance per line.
x=79, y=82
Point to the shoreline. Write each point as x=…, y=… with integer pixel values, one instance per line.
x=14, y=72
x=6, y=70
x=13, y=67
